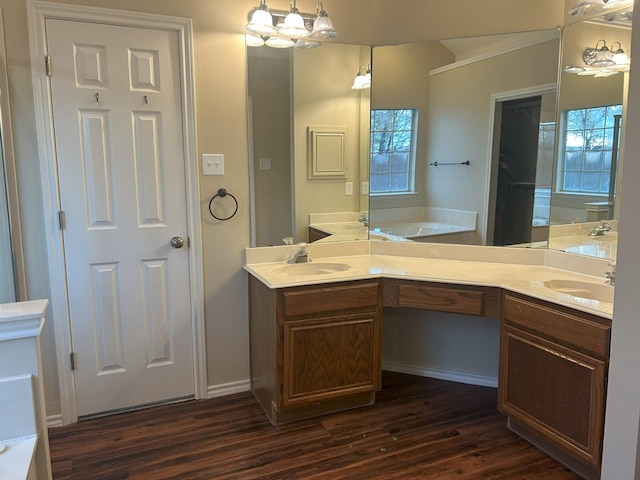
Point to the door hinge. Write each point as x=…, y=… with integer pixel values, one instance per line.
x=62, y=220
x=74, y=361
x=47, y=64
x=188, y=242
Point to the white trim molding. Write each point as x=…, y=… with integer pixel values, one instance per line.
x=513, y=43
x=39, y=12
x=441, y=374
x=230, y=388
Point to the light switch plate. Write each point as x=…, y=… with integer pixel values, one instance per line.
x=364, y=188
x=212, y=164
x=348, y=190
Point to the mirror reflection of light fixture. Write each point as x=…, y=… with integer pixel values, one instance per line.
x=599, y=56
x=602, y=62
x=253, y=40
x=619, y=56
x=362, y=80
x=592, y=7
x=286, y=29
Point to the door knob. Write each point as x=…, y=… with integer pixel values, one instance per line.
x=177, y=242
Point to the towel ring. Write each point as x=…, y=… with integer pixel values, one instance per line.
x=222, y=193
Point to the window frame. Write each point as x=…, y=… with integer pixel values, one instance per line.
x=411, y=173
x=562, y=151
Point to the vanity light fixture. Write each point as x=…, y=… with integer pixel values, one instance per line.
x=322, y=25
x=260, y=20
x=286, y=29
x=601, y=61
x=618, y=55
x=600, y=56
x=592, y=7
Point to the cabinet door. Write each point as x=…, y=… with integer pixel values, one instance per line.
x=326, y=358
x=553, y=390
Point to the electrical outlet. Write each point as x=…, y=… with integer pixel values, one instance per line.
x=364, y=188
x=212, y=164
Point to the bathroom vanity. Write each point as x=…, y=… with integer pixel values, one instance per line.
x=315, y=337
x=314, y=349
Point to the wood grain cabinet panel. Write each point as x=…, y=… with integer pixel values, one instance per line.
x=315, y=349
x=442, y=297
x=326, y=357
x=552, y=381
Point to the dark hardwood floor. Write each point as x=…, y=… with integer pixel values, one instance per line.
x=419, y=428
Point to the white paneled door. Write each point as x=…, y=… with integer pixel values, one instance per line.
x=118, y=126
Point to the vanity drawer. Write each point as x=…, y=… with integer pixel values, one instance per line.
x=587, y=333
x=463, y=299
x=334, y=298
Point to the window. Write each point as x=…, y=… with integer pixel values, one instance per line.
x=588, y=149
x=392, y=157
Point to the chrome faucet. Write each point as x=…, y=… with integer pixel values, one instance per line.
x=611, y=276
x=301, y=256
x=600, y=229
x=364, y=220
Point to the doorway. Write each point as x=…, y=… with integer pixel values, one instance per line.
x=522, y=155
x=516, y=179
x=108, y=172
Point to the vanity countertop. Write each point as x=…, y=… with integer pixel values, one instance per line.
x=518, y=270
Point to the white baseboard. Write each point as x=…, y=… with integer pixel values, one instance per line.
x=453, y=376
x=54, y=421
x=214, y=391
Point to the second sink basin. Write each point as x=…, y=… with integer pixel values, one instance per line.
x=601, y=292
x=312, y=268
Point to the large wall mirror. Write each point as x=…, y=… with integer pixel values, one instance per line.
x=467, y=141
x=309, y=140
x=585, y=198
x=479, y=138
x=12, y=278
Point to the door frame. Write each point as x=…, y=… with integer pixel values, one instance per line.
x=39, y=12
x=494, y=147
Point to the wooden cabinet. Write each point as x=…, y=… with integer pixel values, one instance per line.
x=552, y=384
x=314, y=349
x=442, y=297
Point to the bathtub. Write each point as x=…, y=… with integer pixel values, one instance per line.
x=419, y=231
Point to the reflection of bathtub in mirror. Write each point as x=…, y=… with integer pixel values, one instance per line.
x=577, y=238
x=421, y=224
x=426, y=224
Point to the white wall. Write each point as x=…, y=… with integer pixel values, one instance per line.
x=323, y=96
x=460, y=123
x=621, y=458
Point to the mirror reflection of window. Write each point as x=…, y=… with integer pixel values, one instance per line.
x=589, y=147
x=393, y=140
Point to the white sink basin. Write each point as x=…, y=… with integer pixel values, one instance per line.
x=601, y=292
x=312, y=268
